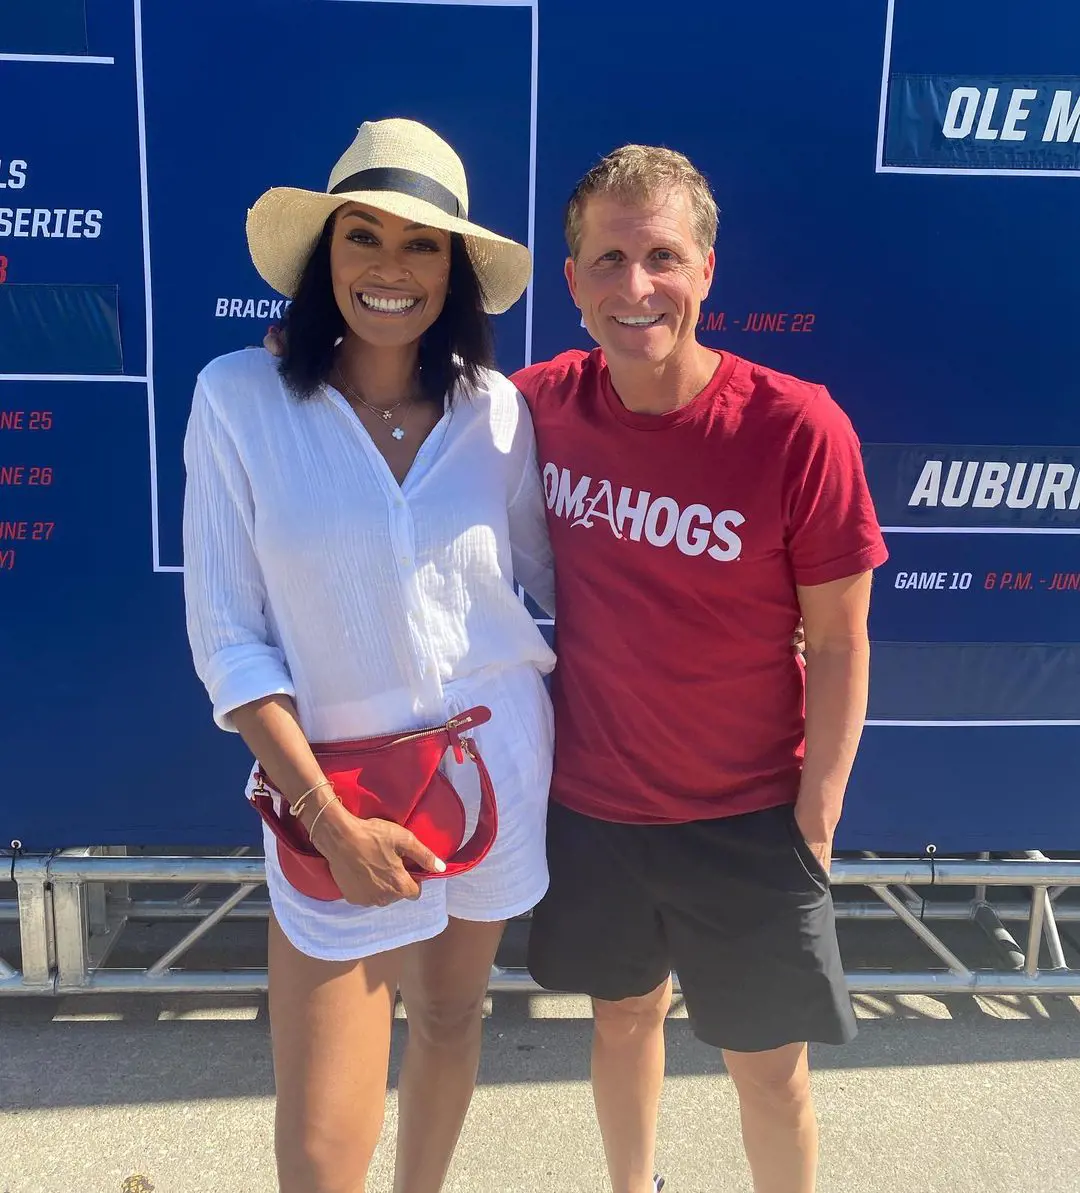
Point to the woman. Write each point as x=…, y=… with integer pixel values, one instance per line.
x=355, y=515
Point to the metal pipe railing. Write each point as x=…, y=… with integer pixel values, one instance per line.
x=154, y=910
x=871, y=872
x=56, y=891
x=512, y=981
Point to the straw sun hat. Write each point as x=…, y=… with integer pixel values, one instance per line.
x=396, y=166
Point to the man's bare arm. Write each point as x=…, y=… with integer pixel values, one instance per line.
x=837, y=680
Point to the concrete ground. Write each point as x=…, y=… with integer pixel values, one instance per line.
x=956, y=1096
x=100, y=1094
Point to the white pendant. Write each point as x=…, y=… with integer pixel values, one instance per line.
x=398, y=433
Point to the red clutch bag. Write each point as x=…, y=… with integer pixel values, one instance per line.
x=393, y=777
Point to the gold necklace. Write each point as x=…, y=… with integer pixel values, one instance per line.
x=384, y=412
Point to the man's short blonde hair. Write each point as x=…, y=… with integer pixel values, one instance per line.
x=640, y=173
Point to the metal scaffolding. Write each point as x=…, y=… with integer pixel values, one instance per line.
x=72, y=908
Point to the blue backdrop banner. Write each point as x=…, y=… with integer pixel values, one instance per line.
x=897, y=223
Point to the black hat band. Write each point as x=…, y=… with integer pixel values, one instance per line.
x=405, y=182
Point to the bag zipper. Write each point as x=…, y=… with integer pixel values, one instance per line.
x=451, y=727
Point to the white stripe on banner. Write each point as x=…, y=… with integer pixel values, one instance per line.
x=85, y=59
x=971, y=724
x=980, y=529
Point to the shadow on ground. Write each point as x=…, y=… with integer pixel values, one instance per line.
x=105, y=1050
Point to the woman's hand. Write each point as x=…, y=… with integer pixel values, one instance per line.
x=367, y=857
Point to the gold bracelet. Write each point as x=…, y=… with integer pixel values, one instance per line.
x=297, y=805
x=318, y=814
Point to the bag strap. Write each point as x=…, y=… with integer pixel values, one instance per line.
x=263, y=803
x=487, y=823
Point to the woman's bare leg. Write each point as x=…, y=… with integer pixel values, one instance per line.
x=330, y=1023
x=443, y=983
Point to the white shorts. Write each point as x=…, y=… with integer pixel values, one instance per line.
x=517, y=745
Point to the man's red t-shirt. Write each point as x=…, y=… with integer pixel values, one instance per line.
x=678, y=541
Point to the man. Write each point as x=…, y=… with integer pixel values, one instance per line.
x=698, y=506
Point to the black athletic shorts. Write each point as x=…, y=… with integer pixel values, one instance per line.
x=739, y=907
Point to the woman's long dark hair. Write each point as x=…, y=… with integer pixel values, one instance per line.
x=453, y=349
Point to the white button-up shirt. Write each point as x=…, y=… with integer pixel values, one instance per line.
x=310, y=572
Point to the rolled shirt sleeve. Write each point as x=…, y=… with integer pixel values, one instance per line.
x=224, y=591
